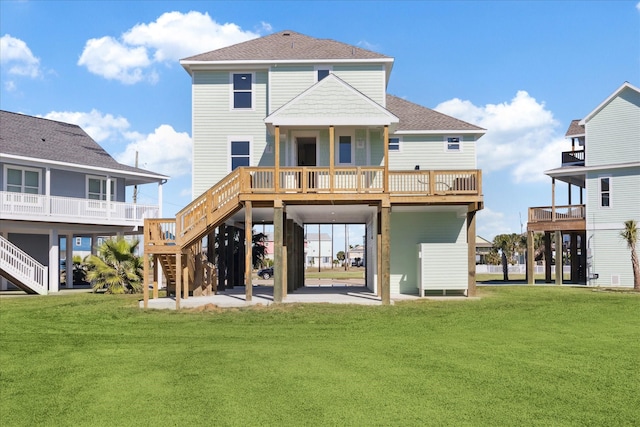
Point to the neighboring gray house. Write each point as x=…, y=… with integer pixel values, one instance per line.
x=602, y=170
x=55, y=181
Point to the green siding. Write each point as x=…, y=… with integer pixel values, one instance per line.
x=368, y=79
x=610, y=256
x=361, y=153
x=613, y=134
x=429, y=152
x=376, y=148
x=625, y=202
x=287, y=82
x=408, y=229
x=214, y=122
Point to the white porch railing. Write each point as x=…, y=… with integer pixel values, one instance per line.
x=55, y=208
x=22, y=267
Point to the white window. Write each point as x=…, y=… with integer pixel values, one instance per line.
x=322, y=72
x=97, y=188
x=605, y=191
x=394, y=144
x=78, y=241
x=240, y=152
x=345, y=150
x=22, y=180
x=453, y=143
x=242, y=91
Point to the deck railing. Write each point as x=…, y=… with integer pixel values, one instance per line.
x=557, y=213
x=573, y=158
x=223, y=199
x=56, y=208
x=23, y=267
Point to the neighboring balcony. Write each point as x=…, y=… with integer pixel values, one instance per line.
x=36, y=207
x=553, y=218
x=573, y=158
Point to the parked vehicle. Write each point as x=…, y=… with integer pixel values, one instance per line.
x=266, y=273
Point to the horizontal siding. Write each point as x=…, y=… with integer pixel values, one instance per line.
x=609, y=255
x=613, y=135
x=287, y=82
x=368, y=79
x=214, y=122
x=408, y=229
x=443, y=266
x=428, y=151
x=625, y=202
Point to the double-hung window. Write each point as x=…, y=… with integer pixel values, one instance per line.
x=97, y=188
x=344, y=150
x=242, y=91
x=394, y=144
x=605, y=192
x=23, y=180
x=240, y=153
x=453, y=143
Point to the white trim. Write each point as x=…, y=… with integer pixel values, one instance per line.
x=447, y=142
x=239, y=138
x=26, y=161
x=317, y=68
x=582, y=170
x=232, y=91
x=107, y=180
x=23, y=169
x=270, y=62
x=332, y=120
x=625, y=85
x=440, y=132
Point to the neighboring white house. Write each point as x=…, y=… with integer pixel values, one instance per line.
x=56, y=182
x=604, y=163
x=319, y=250
x=292, y=130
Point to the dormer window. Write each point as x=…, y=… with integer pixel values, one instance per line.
x=242, y=91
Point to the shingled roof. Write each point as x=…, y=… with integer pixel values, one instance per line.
x=287, y=45
x=575, y=129
x=49, y=140
x=416, y=117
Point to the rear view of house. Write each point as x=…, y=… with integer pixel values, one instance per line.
x=55, y=181
x=292, y=130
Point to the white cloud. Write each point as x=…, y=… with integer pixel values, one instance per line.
x=99, y=126
x=174, y=35
x=491, y=223
x=638, y=6
x=521, y=135
x=17, y=59
x=164, y=151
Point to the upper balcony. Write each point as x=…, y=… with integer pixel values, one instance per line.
x=37, y=207
x=573, y=158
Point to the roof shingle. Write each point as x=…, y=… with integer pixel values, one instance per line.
x=575, y=129
x=38, y=138
x=287, y=45
x=416, y=117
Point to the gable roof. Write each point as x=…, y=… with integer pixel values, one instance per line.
x=575, y=129
x=331, y=101
x=50, y=141
x=625, y=86
x=287, y=45
x=415, y=118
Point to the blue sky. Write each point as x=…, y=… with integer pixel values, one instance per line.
x=522, y=70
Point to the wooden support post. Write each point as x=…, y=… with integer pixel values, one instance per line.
x=559, y=257
x=385, y=255
x=276, y=160
x=575, y=261
x=569, y=194
x=385, y=144
x=531, y=262
x=178, y=286
x=332, y=162
x=547, y=257
x=291, y=259
x=553, y=199
x=222, y=260
x=248, y=254
x=185, y=275
x=156, y=274
x=471, y=253
x=278, y=279
x=145, y=274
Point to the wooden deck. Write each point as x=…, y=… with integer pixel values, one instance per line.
x=557, y=218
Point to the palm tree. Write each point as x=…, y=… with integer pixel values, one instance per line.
x=630, y=235
x=508, y=244
x=116, y=268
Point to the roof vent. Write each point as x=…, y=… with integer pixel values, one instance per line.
x=286, y=34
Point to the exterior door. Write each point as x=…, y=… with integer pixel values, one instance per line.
x=306, y=151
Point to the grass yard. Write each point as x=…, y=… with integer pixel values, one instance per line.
x=338, y=273
x=517, y=356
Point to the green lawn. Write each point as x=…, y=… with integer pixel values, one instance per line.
x=517, y=356
x=338, y=273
